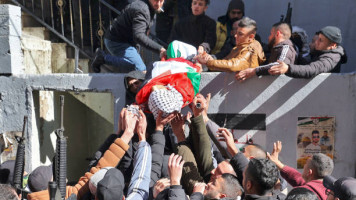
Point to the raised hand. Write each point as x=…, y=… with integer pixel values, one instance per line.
x=198, y=110
x=129, y=122
x=160, y=122
x=199, y=187
x=141, y=126
x=121, y=119
x=205, y=113
x=160, y=185
x=274, y=156
x=175, y=167
x=177, y=125
x=226, y=136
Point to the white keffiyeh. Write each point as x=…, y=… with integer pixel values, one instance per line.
x=167, y=100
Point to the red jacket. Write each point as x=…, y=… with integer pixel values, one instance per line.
x=295, y=179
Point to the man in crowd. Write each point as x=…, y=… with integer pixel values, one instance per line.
x=225, y=186
x=197, y=30
x=224, y=27
x=281, y=47
x=315, y=169
x=229, y=44
x=259, y=179
x=248, y=52
x=341, y=189
x=328, y=57
x=132, y=82
x=128, y=31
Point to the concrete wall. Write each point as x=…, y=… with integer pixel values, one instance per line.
x=281, y=98
x=310, y=15
x=86, y=127
x=10, y=42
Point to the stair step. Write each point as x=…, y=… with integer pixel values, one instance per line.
x=37, y=32
x=28, y=21
x=62, y=64
x=37, y=55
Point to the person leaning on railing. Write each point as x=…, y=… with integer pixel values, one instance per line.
x=329, y=56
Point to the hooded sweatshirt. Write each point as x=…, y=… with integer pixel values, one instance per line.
x=323, y=62
x=130, y=96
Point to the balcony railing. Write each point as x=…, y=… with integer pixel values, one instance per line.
x=79, y=23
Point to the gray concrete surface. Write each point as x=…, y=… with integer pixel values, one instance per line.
x=10, y=42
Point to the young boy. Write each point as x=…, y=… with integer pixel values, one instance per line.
x=198, y=29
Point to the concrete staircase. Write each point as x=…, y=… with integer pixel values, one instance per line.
x=41, y=56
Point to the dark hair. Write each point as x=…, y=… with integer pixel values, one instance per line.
x=315, y=132
x=323, y=165
x=263, y=173
x=301, y=194
x=207, y=2
x=284, y=28
x=249, y=23
x=7, y=192
x=231, y=187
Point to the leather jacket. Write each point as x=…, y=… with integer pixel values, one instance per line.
x=243, y=56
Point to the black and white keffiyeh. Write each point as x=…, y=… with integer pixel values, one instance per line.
x=167, y=100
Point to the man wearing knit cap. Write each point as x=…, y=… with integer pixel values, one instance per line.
x=235, y=11
x=328, y=57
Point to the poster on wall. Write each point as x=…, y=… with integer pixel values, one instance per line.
x=314, y=135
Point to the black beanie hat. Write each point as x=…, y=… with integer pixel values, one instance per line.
x=332, y=33
x=236, y=4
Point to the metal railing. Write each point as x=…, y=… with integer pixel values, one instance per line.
x=80, y=24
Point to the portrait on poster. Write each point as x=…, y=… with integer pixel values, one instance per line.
x=314, y=135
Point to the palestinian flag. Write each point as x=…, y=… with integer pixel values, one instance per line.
x=179, y=73
x=178, y=49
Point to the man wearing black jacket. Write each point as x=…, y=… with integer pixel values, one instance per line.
x=197, y=29
x=130, y=30
x=328, y=57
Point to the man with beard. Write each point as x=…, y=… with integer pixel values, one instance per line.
x=281, y=47
x=225, y=186
x=328, y=57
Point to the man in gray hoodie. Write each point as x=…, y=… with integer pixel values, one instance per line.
x=328, y=57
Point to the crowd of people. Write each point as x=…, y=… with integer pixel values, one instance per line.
x=159, y=153
x=170, y=156
x=231, y=44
